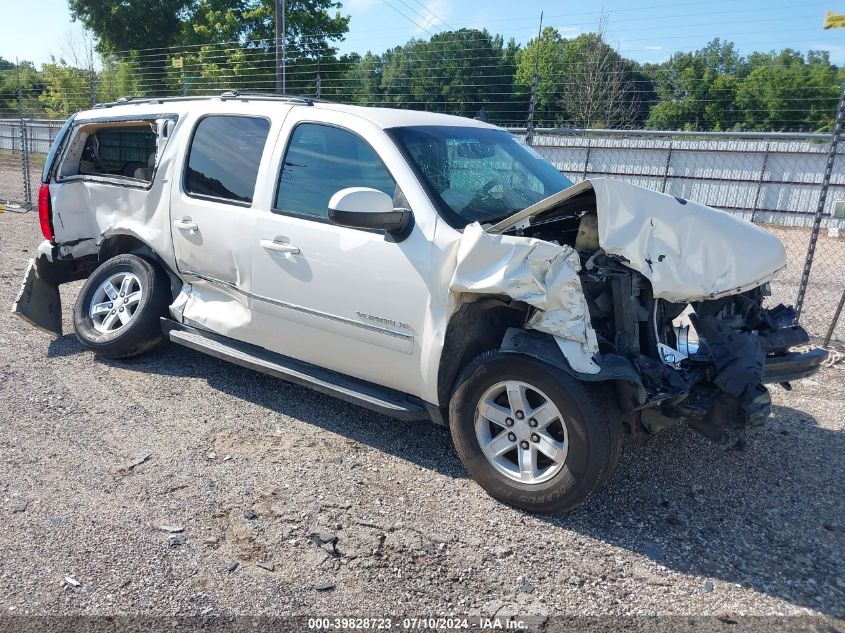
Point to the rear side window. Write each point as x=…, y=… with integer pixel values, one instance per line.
x=224, y=156
x=320, y=161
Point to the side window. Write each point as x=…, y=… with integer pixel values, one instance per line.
x=120, y=151
x=321, y=160
x=224, y=156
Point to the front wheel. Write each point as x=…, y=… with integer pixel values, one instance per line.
x=531, y=435
x=118, y=309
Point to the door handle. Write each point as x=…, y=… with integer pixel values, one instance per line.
x=185, y=224
x=279, y=247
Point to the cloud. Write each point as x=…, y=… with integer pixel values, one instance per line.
x=652, y=48
x=426, y=17
x=569, y=32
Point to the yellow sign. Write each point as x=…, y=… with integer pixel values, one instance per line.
x=834, y=20
x=177, y=61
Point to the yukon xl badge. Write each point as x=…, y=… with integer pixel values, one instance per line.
x=382, y=320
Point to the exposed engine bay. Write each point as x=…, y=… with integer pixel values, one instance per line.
x=703, y=361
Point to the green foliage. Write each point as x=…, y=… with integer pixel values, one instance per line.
x=67, y=89
x=716, y=89
x=31, y=83
x=462, y=72
x=201, y=46
x=543, y=55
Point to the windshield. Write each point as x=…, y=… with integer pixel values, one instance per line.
x=478, y=173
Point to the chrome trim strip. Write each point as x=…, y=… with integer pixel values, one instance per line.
x=309, y=311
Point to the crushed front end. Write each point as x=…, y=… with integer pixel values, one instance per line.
x=675, y=293
x=705, y=362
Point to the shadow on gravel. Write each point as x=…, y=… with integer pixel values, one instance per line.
x=769, y=517
x=429, y=445
x=66, y=345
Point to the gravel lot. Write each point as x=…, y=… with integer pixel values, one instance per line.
x=96, y=456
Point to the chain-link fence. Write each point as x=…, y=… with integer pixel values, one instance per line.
x=770, y=179
x=15, y=165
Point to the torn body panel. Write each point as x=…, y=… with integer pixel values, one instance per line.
x=688, y=251
x=536, y=272
x=38, y=302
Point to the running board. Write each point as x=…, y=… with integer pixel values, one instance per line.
x=365, y=394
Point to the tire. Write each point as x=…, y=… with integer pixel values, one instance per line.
x=589, y=428
x=103, y=330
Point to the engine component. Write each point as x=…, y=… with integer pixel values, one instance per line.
x=587, y=239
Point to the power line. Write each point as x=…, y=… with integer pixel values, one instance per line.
x=407, y=18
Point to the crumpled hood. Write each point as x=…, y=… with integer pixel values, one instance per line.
x=688, y=251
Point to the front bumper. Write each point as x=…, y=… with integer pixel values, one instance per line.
x=787, y=366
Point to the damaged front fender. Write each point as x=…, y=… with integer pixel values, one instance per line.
x=543, y=275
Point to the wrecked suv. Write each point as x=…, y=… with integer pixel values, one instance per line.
x=419, y=265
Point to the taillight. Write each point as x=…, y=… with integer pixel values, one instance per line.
x=45, y=211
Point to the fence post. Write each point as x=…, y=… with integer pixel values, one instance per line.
x=760, y=182
x=535, y=80
x=666, y=168
x=27, y=190
x=529, y=130
x=814, y=236
x=587, y=157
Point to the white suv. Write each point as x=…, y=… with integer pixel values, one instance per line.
x=417, y=264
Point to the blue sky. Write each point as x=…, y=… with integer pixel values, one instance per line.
x=645, y=30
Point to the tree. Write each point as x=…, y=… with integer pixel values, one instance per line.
x=600, y=88
x=31, y=84
x=545, y=55
x=137, y=25
x=460, y=72
x=66, y=90
x=786, y=91
x=232, y=41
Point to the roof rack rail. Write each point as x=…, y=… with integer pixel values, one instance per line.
x=256, y=95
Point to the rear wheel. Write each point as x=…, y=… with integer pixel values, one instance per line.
x=117, y=311
x=531, y=435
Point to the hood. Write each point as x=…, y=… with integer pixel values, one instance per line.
x=688, y=251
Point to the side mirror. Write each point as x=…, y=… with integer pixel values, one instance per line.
x=366, y=208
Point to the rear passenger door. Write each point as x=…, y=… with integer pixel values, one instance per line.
x=212, y=220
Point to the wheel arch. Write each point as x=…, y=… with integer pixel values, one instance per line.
x=478, y=325
x=129, y=244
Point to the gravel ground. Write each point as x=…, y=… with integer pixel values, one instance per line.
x=98, y=455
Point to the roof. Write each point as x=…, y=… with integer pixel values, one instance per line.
x=257, y=103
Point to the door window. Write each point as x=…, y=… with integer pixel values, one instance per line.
x=320, y=161
x=224, y=157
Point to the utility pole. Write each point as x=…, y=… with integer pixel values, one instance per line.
x=535, y=80
x=281, y=57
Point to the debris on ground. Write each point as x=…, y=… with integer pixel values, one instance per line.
x=175, y=540
x=327, y=542
x=128, y=468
